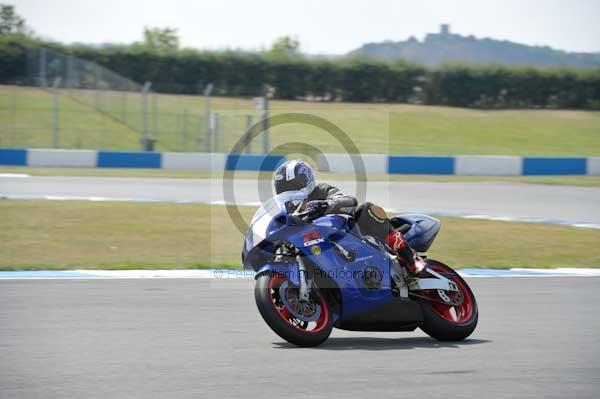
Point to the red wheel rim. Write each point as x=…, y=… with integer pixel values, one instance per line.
x=298, y=324
x=454, y=314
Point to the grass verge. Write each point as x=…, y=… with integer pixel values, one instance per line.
x=42, y=235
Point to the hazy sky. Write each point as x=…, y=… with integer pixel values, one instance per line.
x=326, y=26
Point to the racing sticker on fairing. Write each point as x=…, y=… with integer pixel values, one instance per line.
x=312, y=238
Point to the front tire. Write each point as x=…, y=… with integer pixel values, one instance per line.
x=276, y=301
x=449, y=323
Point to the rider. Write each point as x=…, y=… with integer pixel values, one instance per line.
x=326, y=199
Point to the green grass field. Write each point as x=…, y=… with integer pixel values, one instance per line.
x=25, y=121
x=586, y=181
x=119, y=235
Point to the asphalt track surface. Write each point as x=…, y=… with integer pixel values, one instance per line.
x=196, y=338
x=577, y=204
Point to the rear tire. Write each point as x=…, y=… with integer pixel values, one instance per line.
x=280, y=319
x=441, y=328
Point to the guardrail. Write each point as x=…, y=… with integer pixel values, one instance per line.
x=334, y=163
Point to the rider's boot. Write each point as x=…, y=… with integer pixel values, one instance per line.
x=413, y=263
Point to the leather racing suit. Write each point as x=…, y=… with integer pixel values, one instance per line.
x=371, y=219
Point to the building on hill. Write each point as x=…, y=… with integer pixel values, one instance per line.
x=445, y=29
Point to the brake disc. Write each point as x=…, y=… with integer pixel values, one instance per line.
x=305, y=311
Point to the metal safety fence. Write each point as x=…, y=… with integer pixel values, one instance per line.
x=65, y=102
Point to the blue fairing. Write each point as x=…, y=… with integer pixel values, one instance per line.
x=349, y=273
x=329, y=244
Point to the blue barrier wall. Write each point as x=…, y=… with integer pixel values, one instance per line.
x=392, y=164
x=110, y=159
x=13, y=156
x=554, y=166
x=414, y=165
x=263, y=163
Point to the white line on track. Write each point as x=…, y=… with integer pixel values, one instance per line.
x=14, y=175
x=224, y=274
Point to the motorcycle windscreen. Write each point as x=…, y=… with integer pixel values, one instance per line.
x=265, y=219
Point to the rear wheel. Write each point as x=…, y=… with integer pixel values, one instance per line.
x=300, y=323
x=449, y=316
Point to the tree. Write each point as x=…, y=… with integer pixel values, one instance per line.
x=161, y=39
x=284, y=47
x=11, y=23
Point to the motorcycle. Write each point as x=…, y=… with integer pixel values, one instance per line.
x=313, y=275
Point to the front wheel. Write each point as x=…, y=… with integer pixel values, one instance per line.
x=449, y=322
x=300, y=323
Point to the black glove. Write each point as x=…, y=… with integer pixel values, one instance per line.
x=314, y=209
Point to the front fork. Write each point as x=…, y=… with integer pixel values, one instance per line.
x=305, y=282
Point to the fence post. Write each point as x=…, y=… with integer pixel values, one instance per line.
x=207, y=119
x=248, y=141
x=55, y=132
x=43, y=80
x=215, y=132
x=145, y=140
x=268, y=93
x=154, y=111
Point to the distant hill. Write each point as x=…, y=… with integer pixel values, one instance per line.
x=444, y=46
